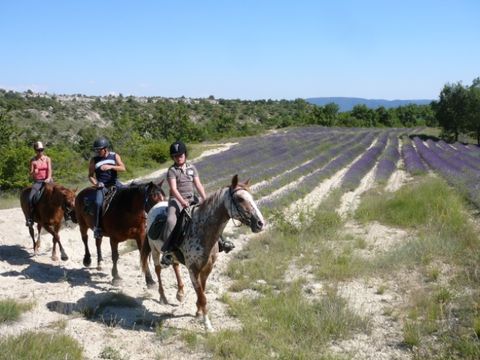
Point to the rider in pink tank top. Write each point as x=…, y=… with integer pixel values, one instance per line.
x=41, y=172
x=40, y=169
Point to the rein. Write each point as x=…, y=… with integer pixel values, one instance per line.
x=246, y=220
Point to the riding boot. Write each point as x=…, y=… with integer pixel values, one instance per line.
x=97, y=230
x=167, y=257
x=225, y=245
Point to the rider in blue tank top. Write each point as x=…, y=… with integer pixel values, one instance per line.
x=102, y=173
x=107, y=177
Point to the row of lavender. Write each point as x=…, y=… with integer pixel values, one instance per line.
x=293, y=162
x=457, y=163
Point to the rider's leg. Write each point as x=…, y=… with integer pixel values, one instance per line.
x=31, y=207
x=97, y=230
x=225, y=245
x=168, y=232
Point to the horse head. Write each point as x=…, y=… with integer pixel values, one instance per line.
x=242, y=207
x=68, y=203
x=153, y=194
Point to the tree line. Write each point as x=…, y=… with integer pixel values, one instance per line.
x=141, y=129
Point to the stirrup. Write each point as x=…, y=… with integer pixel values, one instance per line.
x=97, y=232
x=225, y=245
x=167, y=259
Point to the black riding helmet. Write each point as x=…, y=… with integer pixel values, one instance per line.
x=178, y=148
x=100, y=143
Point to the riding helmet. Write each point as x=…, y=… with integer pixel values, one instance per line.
x=178, y=148
x=38, y=145
x=100, y=143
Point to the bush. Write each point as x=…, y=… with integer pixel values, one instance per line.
x=14, y=167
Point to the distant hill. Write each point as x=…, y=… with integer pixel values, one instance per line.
x=347, y=103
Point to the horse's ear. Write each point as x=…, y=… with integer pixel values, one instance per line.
x=234, y=181
x=247, y=183
x=160, y=183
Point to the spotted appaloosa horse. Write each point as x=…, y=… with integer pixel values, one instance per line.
x=56, y=203
x=199, y=247
x=124, y=219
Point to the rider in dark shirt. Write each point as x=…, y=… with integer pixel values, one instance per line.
x=102, y=173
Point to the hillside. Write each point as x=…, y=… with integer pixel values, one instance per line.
x=347, y=103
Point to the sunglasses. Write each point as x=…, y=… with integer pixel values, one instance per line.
x=39, y=150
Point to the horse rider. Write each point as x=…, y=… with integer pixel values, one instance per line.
x=183, y=179
x=102, y=173
x=41, y=173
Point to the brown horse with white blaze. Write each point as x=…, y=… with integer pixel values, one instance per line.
x=124, y=219
x=55, y=204
x=199, y=247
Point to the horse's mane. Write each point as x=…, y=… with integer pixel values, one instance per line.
x=214, y=197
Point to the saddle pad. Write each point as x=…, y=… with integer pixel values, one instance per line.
x=156, y=218
x=155, y=230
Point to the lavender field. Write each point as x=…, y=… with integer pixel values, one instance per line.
x=287, y=165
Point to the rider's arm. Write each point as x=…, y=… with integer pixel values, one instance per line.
x=49, y=170
x=120, y=166
x=199, y=186
x=174, y=191
x=32, y=168
x=91, y=172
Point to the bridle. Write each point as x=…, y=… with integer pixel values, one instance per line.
x=244, y=218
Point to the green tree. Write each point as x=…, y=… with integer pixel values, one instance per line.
x=363, y=116
x=451, y=111
x=474, y=109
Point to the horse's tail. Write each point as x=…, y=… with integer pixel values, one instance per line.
x=144, y=254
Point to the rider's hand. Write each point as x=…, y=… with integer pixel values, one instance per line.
x=100, y=185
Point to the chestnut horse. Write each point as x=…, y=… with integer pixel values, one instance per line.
x=124, y=219
x=199, y=248
x=56, y=203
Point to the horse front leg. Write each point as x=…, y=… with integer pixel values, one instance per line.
x=161, y=292
x=63, y=253
x=148, y=275
x=87, y=259
x=54, y=240
x=115, y=256
x=98, y=244
x=180, y=284
x=201, y=300
x=32, y=235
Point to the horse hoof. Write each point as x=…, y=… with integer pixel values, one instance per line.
x=87, y=262
x=64, y=257
x=151, y=285
x=116, y=282
x=209, y=329
x=180, y=296
x=55, y=258
x=163, y=301
x=99, y=266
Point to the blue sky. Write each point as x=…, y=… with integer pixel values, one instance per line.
x=262, y=49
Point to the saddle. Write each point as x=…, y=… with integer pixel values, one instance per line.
x=89, y=201
x=38, y=195
x=182, y=227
